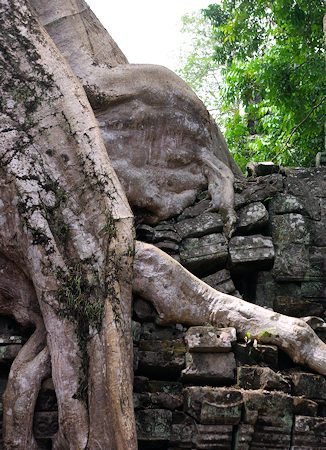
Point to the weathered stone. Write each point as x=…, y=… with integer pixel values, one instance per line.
x=47, y=400
x=265, y=290
x=160, y=364
x=274, y=408
x=221, y=281
x=285, y=204
x=307, y=185
x=309, y=433
x=261, y=378
x=152, y=331
x=144, y=384
x=204, y=254
x=291, y=262
x=314, y=289
x=195, y=210
x=45, y=424
x=145, y=233
x=270, y=437
x=213, y=406
x=206, y=223
x=8, y=340
x=290, y=229
x=252, y=218
x=144, y=310
x=175, y=346
x=9, y=352
x=266, y=355
x=243, y=436
x=154, y=424
x=309, y=385
x=297, y=307
x=158, y=400
x=213, y=437
x=259, y=189
x=182, y=430
x=247, y=252
x=317, y=266
x=209, y=368
x=168, y=247
x=166, y=234
x=261, y=169
x=303, y=406
x=210, y=339
x=136, y=331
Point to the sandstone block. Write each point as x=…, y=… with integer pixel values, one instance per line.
x=252, y=218
x=213, y=406
x=9, y=352
x=309, y=385
x=209, y=368
x=259, y=189
x=221, y=281
x=291, y=262
x=154, y=424
x=251, y=251
x=309, y=433
x=45, y=424
x=206, y=223
x=203, y=339
x=261, y=378
x=290, y=229
x=204, y=254
x=266, y=355
x=285, y=204
x=160, y=364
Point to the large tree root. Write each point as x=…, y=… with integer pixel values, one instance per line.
x=181, y=297
x=29, y=369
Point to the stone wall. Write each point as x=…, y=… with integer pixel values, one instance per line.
x=199, y=387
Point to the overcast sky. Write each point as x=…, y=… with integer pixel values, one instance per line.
x=147, y=31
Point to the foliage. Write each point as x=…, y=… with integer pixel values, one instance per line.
x=271, y=58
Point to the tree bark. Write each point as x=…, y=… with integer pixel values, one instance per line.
x=67, y=224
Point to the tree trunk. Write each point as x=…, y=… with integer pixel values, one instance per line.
x=67, y=224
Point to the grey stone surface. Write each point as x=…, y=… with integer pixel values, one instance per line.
x=309, y=385
x=261, y=169
x=266, y=355
x=252, y=218
x=251, y=251
x=206, y=223
x=273, y=408
x=9, y=352
x=265, y=290
x=204, y=254
x=309, y=433
x=158, y=400
x=195, y=210
x=209, y=368
x=221, y=281
x=144, y=310
x=213, y=406
x=45, y=424
x=258, y=190
x=285, y=204
x=154, y=424
x=291, y=262
x=290, y=229
x=262, y=378
x=208, y=339
x=297, y=307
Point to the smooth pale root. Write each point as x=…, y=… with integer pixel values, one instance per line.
x=148, y=116
x=181, y=297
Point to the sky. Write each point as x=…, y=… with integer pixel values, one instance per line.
x=147, y=31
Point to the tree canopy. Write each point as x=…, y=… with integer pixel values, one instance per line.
x=271, y=60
